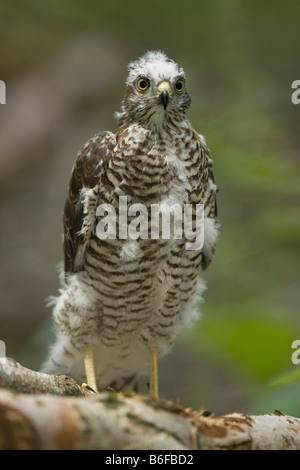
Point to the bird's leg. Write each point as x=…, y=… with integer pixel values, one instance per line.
x=89, y=364
x=153, y=388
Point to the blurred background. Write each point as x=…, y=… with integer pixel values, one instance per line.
x=64, y=64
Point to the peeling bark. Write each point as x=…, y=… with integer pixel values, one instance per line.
x=37, y=415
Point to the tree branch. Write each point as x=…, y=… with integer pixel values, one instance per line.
x=20, y=379
x=37, y=418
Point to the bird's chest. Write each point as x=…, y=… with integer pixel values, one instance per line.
x=149, y=170
x=148, y=180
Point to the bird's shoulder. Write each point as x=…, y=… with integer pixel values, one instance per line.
x=94, y=154
x=90, y=162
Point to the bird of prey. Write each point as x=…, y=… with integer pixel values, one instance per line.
x=123, y=298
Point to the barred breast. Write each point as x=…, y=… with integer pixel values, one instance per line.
x=132, y=295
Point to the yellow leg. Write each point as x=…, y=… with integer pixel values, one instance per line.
x=89, y=365
x=153, y=389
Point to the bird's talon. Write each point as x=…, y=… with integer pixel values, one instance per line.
x=87, y=388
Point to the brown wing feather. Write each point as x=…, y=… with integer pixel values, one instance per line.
x=211, y=203
x=86, y=171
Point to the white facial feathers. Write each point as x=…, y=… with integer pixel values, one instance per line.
x=156, y=92
x=156, y=66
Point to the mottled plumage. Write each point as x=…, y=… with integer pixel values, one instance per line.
x=127, y=297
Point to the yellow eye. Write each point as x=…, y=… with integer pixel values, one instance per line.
x=179, y=86
x=143, y=84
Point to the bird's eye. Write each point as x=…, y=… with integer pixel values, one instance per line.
x=143, y=84
x=179, y=86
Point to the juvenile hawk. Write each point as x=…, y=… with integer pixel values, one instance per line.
x=124, y=300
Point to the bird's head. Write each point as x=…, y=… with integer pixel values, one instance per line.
x=155, y=90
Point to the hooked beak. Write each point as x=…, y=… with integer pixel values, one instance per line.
x=164, y=91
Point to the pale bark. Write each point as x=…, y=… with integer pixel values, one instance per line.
x=15, y=377
x=35, y=420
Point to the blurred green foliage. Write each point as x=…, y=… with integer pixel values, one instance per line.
x=241, y=58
